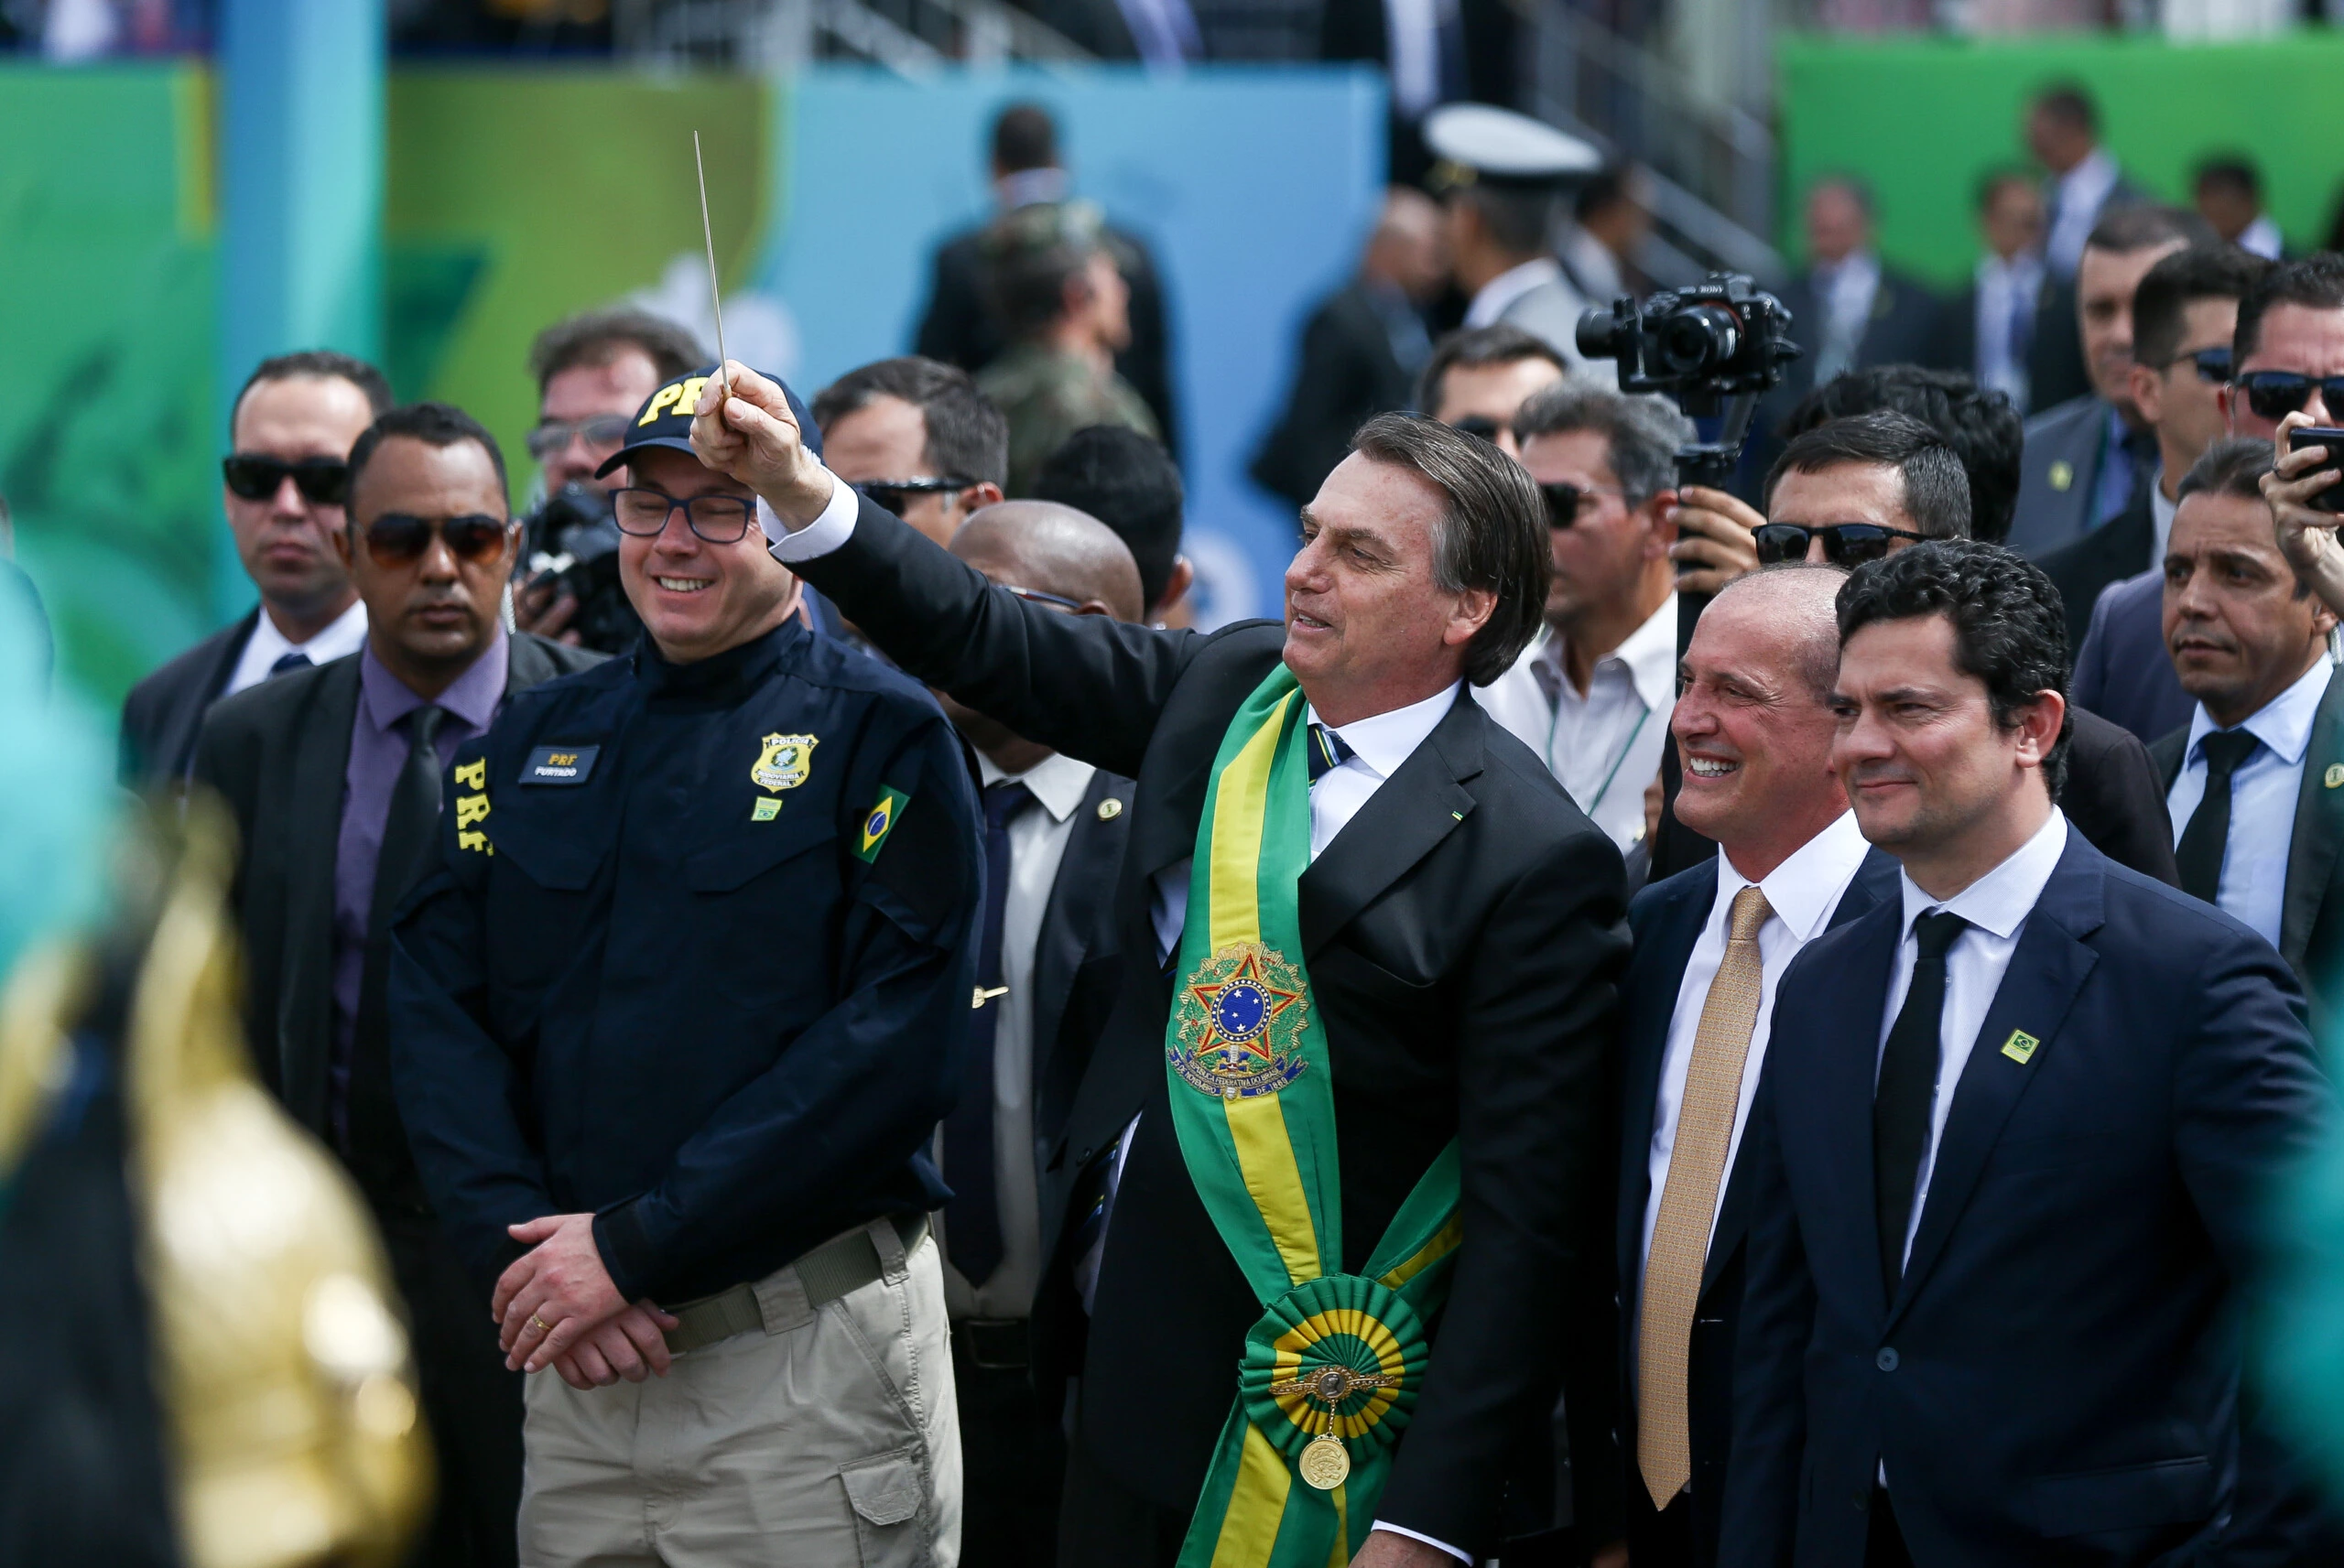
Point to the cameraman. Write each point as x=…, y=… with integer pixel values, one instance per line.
x=593, y=371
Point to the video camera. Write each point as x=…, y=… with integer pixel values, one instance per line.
x=1715, y=347
x=572, y=542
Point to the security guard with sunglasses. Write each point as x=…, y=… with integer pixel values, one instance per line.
x=673, y=1021
x=332, y=774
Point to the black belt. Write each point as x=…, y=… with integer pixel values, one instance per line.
x=995, y=1343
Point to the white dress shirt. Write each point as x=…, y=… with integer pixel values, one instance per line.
x=1037, y=841
x=1509, y=286
x=1845, y=292
x=2161, y=512
x=2262, y=238
x=2253, y=889
x=1802, y=893
x=345, y=636
x=2006, y=290
x=1996, y=906
x=1604, y=748
x=2083, y=191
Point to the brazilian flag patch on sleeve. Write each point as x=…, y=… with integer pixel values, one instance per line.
x=880, y=821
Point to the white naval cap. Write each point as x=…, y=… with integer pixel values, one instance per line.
x=1480, y=143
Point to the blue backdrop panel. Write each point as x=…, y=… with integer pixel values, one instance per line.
x=1254, y=188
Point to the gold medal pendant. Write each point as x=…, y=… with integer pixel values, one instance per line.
x=1325, y=1461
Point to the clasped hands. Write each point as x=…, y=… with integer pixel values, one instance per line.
x=557, y=1307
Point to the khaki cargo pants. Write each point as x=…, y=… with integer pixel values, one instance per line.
x=828, y=1441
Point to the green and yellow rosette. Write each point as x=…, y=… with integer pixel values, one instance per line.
x=1329, y=1374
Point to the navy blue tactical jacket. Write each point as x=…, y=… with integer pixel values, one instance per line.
x=698, y=959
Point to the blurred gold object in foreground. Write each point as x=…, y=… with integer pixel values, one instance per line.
x=281, y=1363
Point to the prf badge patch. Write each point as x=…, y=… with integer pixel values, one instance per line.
x=472, y=807
x=785, y=762
x=880, y=821
x=2020, y=1046
x=559, y=764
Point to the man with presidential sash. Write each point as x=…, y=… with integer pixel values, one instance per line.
x=1330, y=1187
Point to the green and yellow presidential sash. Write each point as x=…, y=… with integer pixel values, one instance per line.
x=1330, y=1372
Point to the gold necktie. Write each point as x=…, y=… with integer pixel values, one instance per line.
x=1680, y=1237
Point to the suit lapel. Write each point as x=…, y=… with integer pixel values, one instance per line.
x=2311, y=849
x=1085, y=881
x=2046, y=972
x=1410, y=812
x=312, y=828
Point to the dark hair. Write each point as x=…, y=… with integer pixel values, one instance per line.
x=1131, y=484
x=2008, y=628
x=1641, y=434
x=967, y=436
x=1029, y=257
x=1474, y=347
x=1980, y=425
x=1517, y=219
x=1024, y=137
x=598, y=336
x=2144, y=225
x=2234, y=171
x=1492, y=534
x=2160, y=303
x=2232, y=466
x=2314, y=282
x=1937, y=488
x=433, y=424
x=1991, y=183
x=1856, y=188
x=2070, y=103
x=323, y=363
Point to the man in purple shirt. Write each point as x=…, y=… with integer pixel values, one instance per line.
x=333, y=777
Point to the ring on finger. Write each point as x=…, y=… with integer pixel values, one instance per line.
x=543, y=1326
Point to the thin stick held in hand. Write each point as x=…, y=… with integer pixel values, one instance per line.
x=715, y=301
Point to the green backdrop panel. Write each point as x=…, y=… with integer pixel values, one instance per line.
x=1921, y=120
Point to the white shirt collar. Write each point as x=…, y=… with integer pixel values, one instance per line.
x=1806, y=888
x=1999, y=901
x=1057, y=781
x=1508, y=287
x=2262, y=238
x=1384, y=740
x=2283, y=723
x=1648, y=653
x=2020, y=274
x=343, y=636
x=2089, y=180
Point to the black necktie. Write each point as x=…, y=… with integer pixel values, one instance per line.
x=409, y=832
x=1327, y=750
x=1908, y=1081
x=973, y=1218
x=296, y=660
x=2203, y=842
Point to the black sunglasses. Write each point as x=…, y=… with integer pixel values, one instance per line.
x=398, y=539
x=322, y=481
x=719, y=519
x=1844, y=544
x=1564, y=499
x=2213, y=365
x=2275, y=394
x=892, y=495
x=552, y=435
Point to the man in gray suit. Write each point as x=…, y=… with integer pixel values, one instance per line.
x=1501, y=173
x=2085, y=457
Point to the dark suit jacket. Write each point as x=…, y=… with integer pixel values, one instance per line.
x=958, y=330
x=163, y=713
x=1463, y=935
x=2058, y=477
x=2056, y=372
x=1666, y=920
x=2056, y=1378
x=1078, y=962
x=2311, y=930
x=1903, y=317
x=1346, y=372
x=2115, y=550
x=2123, y=670
x=276, y=753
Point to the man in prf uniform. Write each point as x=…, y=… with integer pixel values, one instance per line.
x=670, y=1028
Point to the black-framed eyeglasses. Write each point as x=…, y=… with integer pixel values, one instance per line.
x=2213, y=365
x=1565, y=500
x=256, y=476
x=1480, y=425
x=552, y=435
x=1056, y=600
x=894, y=494
x=2275, y=394
x=1844, y=544
x=719, y=519
x=397, y=538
